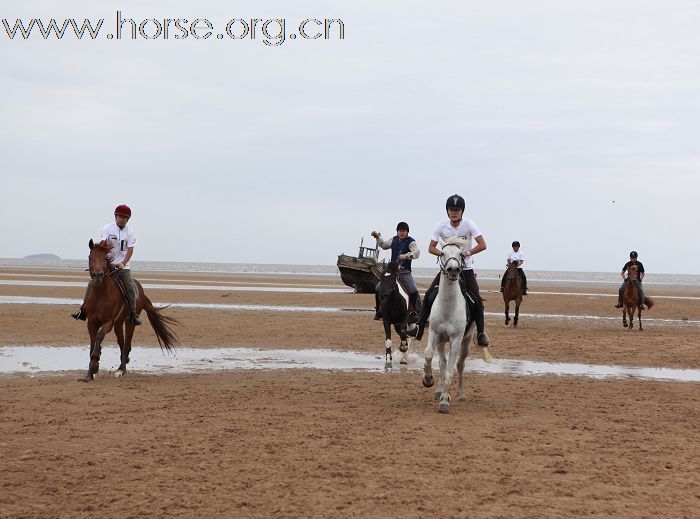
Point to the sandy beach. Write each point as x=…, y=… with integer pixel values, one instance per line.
x=320, y=443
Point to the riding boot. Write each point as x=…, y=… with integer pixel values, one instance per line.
x=132, y=307
x=377, y=312
x=482, y=340
x=523, y=280
x=79, y=314
x=134, y=316
x=412, y=314
x=503, y=283
x=619, y=297
x=428, y=300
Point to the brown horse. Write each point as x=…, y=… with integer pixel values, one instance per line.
x=106, y=308
x=630, y=300
x=512, y=291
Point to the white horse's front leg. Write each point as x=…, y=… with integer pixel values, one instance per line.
x=455, y=348
x=428, y=364
x=460, y=372
x=441, y=372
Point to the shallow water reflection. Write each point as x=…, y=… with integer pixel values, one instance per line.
x=48, y=359
x=27, y=300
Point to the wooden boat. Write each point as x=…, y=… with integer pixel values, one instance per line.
x=361, y=272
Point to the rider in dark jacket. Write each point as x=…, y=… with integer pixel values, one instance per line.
x=637, y=281
x=403, y=248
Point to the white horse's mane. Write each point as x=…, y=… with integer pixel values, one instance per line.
x=458, y=240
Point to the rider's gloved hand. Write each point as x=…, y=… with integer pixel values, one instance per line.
x=120, y=266
x=405, y=256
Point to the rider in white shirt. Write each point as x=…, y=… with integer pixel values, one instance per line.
x=456, y=225
x=517, y=256
x=122, y=239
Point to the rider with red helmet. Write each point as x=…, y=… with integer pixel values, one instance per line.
x=122, y=239
x=456, y=225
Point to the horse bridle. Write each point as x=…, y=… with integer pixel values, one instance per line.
x=102, y=275
x=443, y=263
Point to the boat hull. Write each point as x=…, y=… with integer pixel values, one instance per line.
x=362, y=274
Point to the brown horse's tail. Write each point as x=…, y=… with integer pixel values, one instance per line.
x=648, y=302
x=162, y=325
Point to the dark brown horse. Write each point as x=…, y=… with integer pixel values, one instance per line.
x=106, y=308
x=512, y=291
x=630, y=300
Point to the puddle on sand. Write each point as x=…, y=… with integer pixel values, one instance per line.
x=49, y=359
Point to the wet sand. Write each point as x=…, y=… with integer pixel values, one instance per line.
x=319, y=443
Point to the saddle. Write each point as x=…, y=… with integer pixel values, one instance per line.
x=472, y=305
x=124, y=292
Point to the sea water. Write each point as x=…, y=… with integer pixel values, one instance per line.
x=331, y=271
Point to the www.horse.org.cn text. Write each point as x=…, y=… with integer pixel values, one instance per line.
x=272, y=32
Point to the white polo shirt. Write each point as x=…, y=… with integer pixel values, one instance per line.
x=516, y=256
x=466, y=229
x=121, y=240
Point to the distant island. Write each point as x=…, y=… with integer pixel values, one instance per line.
x=42, y=256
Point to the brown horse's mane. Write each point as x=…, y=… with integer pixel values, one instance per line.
x=103, y=246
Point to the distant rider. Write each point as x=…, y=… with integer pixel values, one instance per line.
x=405, y=249
x=637, y=281
x=455, y=225
x=518, y=257
x=122, y=239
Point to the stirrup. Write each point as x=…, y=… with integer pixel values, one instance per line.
x=79, y=314
x=618, y=305
x=135, y=319
x=377, y=316
x=413, y=332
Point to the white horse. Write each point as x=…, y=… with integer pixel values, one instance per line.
x=448, y=324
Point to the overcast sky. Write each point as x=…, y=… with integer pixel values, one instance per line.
x=570, y=126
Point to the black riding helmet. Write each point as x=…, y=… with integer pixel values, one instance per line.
x=455, y=202
x=402, y=226
x=633, y=254
x=516, y=243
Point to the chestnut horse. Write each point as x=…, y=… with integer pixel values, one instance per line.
x=512, y=291
x=630, y=300
x=106, y=309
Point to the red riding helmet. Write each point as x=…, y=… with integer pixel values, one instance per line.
x=122, y=210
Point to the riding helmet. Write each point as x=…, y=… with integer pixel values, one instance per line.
x=123, y=210
x=455, y=202
x=516, y=243
x=633, y=254
x=402, y=226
